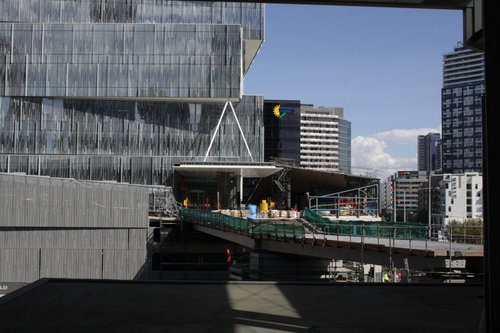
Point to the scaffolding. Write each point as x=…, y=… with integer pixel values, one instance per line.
x=281, y=183
x=361, y=201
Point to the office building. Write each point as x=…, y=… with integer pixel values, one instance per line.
x=344, y=146
x=428, y=152
x=439, y=155
x=386, y=203
x=400, y=195
x=314, y=138
x=325, y=139
x=462, y=92
x=461, y=197
x=282, y=130
x=121, y=90
x=429, y=198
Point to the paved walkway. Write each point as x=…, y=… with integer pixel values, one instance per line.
x=440, y=248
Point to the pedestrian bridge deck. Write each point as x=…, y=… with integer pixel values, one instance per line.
x=375, y=243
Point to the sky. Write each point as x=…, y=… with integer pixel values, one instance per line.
x=382, y=65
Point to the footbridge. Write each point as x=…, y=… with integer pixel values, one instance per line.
x=378, y=243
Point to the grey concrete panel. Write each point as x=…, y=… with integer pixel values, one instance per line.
x=71, y=263
x=44, y=199
x=31, y=201
x=122, y=264
x=137, y=239
x=68, y=238
x=5, y=198
x=19, y=265
x=19, y=200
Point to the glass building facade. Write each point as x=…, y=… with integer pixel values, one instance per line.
x=314, y=138
x=121, y=60
x=428, y=152
x=247, y=15
x=282, y=130
x=129, y=141
x=120, y=90
x=127, y=48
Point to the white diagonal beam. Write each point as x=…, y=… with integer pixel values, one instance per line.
x=216, y=130
x=241, y=131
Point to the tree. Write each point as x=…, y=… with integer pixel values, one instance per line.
x=469, y=231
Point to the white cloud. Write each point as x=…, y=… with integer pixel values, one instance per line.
x=375, y=155
x=369, y=156
x=405, y=136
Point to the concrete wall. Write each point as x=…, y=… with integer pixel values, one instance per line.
x=57, y=227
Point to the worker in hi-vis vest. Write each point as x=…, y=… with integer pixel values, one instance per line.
x=386, y=277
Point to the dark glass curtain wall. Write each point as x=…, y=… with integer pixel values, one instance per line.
x=128, y=141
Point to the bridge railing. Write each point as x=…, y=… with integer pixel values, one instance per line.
x=248, y=227
x=402, y=230
x=324, y=226
x=456, y=233
x=460, y=233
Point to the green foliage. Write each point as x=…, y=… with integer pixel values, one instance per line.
x=470, y=231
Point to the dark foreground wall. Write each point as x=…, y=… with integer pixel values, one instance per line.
x=105, y=306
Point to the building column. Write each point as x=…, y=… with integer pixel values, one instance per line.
x=491, y=165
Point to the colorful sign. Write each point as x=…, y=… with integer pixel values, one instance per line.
x=280, y=111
